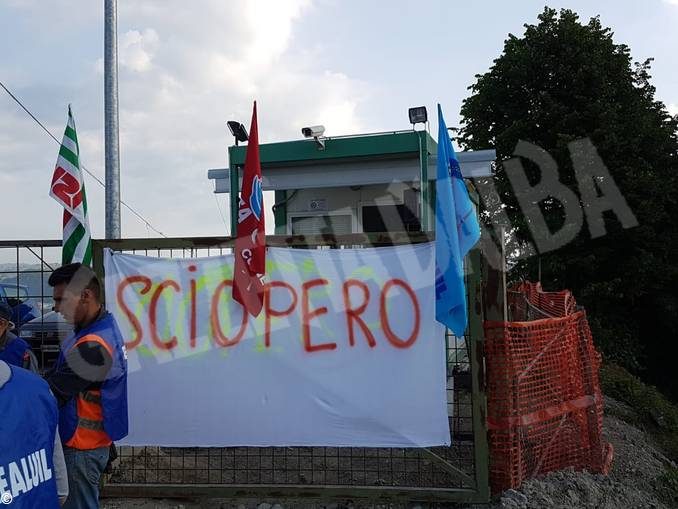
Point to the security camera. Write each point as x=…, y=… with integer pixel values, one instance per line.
x=315, y=131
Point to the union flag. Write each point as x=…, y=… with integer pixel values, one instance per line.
x=250, y=244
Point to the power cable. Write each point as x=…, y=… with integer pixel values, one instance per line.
x=223, y=218
x=148, y=225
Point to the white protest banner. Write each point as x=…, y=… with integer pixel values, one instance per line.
x=346, y=351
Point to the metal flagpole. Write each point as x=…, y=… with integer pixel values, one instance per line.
x=111, y=130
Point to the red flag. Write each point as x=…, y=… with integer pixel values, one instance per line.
x=250, y=245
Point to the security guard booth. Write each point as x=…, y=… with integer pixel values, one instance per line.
x=378, y=182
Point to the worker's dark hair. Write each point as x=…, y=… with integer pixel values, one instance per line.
x=77, y=275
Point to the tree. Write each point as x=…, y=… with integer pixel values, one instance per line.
x=564, y=81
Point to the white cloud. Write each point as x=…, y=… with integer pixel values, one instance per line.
x=183, y=72
x=136, y=49
x=671, y=2
x=203, y=77
x=271, y=27
x=672, y=107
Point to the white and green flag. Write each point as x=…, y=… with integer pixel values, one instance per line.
x=68, y=188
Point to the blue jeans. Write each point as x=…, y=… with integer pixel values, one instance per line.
x=84, y=472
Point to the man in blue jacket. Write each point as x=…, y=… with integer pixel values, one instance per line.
x=32, y=468
x=14, y=350
x=89, y=381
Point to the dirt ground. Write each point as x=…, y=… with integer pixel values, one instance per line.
x=634, y=482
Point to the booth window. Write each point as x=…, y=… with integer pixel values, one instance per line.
x=389, y=218
x=322, y=224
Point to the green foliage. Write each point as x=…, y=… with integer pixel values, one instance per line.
x=668, y=485
x=564, y=80
x=652, y=411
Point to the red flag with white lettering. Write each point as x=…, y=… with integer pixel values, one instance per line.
x=250, y=245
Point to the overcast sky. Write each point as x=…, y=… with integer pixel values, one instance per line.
x=187, y=67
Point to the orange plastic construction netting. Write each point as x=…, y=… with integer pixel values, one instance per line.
x=545, y=406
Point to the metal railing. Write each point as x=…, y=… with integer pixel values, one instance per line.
x=28, y=263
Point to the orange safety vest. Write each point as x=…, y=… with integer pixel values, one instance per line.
x=89, y=432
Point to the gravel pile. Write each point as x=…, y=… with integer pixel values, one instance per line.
x=633, y=483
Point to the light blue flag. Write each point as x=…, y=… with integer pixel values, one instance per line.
x=457, y=231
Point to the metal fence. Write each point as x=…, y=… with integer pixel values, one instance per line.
x=458, y=473
x=25, y=266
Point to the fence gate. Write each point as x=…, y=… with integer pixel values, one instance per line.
x=458, y=473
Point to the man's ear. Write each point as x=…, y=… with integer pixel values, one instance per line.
x=86, y=295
